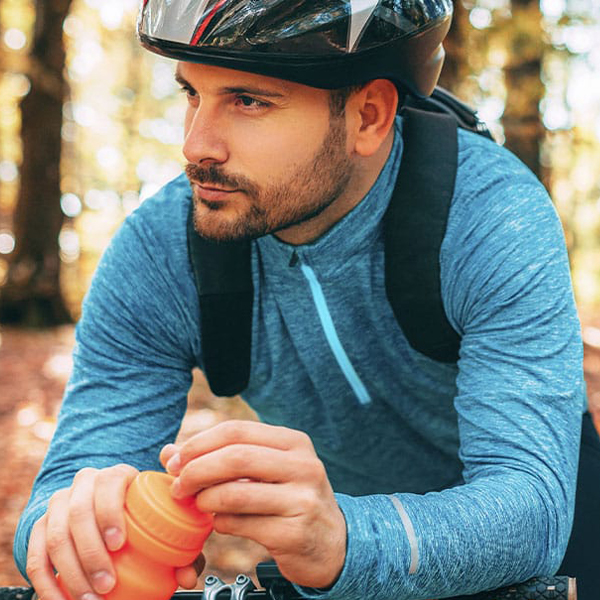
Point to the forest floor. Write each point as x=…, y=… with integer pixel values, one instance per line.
x=34, y=367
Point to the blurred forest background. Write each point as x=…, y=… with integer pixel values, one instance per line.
x=91, y=125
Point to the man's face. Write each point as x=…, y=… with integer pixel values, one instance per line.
x=264, y=155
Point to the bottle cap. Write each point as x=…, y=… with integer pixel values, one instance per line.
x=154, y=513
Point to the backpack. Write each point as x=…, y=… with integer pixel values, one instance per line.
x=414, y=228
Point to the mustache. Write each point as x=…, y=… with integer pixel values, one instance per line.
x=215, y=175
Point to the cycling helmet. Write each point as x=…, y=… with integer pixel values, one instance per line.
x=322, y=43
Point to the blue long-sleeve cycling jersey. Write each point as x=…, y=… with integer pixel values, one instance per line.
x=452, y=478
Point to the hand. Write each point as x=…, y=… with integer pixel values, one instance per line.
x=266, y=484
x=82, y=524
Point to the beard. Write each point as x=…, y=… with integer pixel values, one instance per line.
x=306, y=193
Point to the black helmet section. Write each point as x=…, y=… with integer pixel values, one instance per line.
x=327, y=44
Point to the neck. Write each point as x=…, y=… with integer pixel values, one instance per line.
x=363, y=177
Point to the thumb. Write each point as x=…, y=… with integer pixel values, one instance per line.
x=187, y=577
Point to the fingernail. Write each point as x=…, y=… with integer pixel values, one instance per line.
x=103, y=582
x=176, y=489
x=90, y=596
x=174, y=463
x=113, y=537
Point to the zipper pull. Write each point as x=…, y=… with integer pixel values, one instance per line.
x=294, y=260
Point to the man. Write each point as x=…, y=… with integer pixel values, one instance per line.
x=377, y=471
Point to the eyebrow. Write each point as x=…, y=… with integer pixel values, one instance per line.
x=254, y=91
x=181, y=80
x=241, y=89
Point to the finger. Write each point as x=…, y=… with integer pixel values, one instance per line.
x=187, y=577
x=39, y=568
x=242, y=432
x=61, y=550
x=86, y=536
x=271, y=532
x=109, y=500
x=253, y=498
x=240, y=462
x=167, y=453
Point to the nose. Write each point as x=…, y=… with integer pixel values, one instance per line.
x=204, y=136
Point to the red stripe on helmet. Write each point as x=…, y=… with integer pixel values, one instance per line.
x=204, y=24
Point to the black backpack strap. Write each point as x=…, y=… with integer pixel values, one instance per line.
x=415, y=225
x=443, y=102
x=223, y=276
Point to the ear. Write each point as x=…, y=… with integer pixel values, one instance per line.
x=371, y=112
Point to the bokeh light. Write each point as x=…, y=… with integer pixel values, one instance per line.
x=71, y=205
x=7, y=242
x=15, y=39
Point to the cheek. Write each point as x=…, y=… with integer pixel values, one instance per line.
x=273, y=159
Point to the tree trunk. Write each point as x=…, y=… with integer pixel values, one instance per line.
x=522, y=122
x=32, y=294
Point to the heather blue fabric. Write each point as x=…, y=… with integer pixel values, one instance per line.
x=480, y=457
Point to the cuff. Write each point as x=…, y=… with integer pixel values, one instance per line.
x=378, y=545
x=21, y=540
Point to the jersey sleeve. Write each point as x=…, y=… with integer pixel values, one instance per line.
x=134, y=352
x=520, y=395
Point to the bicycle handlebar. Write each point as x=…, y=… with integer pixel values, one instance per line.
x=276, y=587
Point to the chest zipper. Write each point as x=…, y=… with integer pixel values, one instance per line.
x=358, y=387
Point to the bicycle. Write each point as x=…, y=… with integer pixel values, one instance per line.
x=273, y=586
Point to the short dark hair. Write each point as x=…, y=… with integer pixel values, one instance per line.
x=339, y=97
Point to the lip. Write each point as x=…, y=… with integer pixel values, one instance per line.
x=213, y=194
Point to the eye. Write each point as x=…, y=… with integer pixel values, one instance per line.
x=189, y=92
x=250, y=102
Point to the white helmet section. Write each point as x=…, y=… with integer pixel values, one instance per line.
x=173, y=20
x=361, y=12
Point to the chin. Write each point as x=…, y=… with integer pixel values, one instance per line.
x=223, y=225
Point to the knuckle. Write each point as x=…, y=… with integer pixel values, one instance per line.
x=224, y=524
x=84, y=474
x=109, y=489
x=234, y=499
x=309, y=501
x=123, y=470
x=58, y=499
x=313, y=469
x=302, y=439
x=233, y=430
x=238, y=459
x=318, y=472
x=79, y=511
x=56, y=541
x=34, y=566
x=109, y=514
x=106, y=474
x=92, y=558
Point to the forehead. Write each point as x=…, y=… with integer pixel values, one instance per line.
x=202, y=76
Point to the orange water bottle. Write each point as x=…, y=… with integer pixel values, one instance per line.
x=162, y=533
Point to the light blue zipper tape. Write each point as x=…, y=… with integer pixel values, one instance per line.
x=332, y=337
